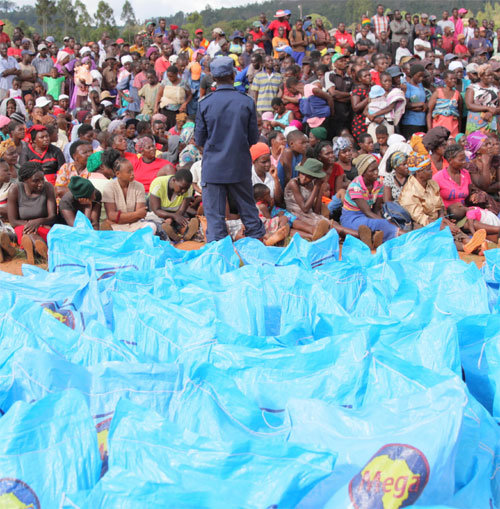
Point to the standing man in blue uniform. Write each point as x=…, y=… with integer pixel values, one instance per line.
x=226, y=128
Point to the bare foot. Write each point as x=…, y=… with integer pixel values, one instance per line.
x=240, y=234
x=277, y=236
x=321, y=230
x=6, y=245
x=365, y=235
x=192, y=228
x=169, y=230
x=378, y=238
x=42, y=249
x=27, y=245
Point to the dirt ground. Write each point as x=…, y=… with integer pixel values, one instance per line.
x=14, y=266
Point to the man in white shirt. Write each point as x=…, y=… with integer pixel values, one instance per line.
x=214, y=46
x=9, y=69
x=421, y=44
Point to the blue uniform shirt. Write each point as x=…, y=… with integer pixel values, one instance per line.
x=226, y=126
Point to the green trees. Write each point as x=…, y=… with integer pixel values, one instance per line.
x=45, y=10
x=104, y=16
x=66, y=15
x=128, y=14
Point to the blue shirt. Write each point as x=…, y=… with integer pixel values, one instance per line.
x=226, y=126
x=414, y=95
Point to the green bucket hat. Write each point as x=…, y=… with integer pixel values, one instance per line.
x=313, y=168
x=80, y=187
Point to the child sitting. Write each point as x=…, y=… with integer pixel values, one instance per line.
x=295, y=153
x=277, y=227
x=303, y=199
x=482, y=223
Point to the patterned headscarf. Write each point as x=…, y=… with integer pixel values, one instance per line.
x=5, y=145
x=474, y=142
x=363, y=162
x=340, y=144
x=417, y=145
x=418, y=162
x=397, y=159
x=187, y=133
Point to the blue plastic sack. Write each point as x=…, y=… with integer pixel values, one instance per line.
x=46, y=449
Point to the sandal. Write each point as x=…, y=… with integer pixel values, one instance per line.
x=193, y=226
x=365, y=235
x=475, y=242
x=27, y=245
x=378, y=238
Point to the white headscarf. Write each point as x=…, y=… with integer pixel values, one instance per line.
x=396, y=143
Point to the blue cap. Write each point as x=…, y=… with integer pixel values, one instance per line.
x=222, y=66
x=287, y=49
x=288, y=12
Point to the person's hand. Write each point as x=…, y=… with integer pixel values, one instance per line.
x=370, y=118
x=487, y=116
x=31, y=226
x=273, y=172
x=274, y=123
x=182, y=109
x=180, y=219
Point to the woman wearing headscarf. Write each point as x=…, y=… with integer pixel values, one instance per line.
x=420, y=195
x=148, y=166
x=484, y=174
x=40, y=150
x=190, y=153
x=32, y=210
x=435, y=142
x=395, y=143
x=342, y=151
x=8, y=152
x=481, y=99
x=395, y=180
x=363, y=203
x=10, y=106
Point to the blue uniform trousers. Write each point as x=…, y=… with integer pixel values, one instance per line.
x=214, y=204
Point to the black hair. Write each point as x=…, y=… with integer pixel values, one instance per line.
x=381, y=129
x=319, y=147
x=291, y=81
x=448, y=73
x=112, y=138
x=270, y=137
x=385, y=74
x=293, y=135
x=453, y=213
x=109, y=157
x=27, y=170
x=323, y=68
x=363, y=137
x=74, y=146
x=259, y=191
x=12, y=126
x=118, y=163
x=51, y=129
x=452, y=151
x=361, y=71
x=276, y=101
x=184, y=176
x=84, y=129
x=173, y=70
x=142, y=127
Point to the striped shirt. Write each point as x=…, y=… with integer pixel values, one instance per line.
x=380, y=23
x=267, y=86
x=358, y=191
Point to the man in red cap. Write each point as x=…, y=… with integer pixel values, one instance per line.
x=4, y=38
x=203, y=42
x=280, y=21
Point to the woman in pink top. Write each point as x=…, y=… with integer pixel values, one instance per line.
x=455, y=185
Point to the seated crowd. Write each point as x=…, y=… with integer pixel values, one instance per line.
x=373, y=131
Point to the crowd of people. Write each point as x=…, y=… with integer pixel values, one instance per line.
x=371, y=131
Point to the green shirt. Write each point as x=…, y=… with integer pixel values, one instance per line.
x=159, y=188
x=54, y=86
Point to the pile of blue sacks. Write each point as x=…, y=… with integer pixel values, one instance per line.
x=136, y=375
